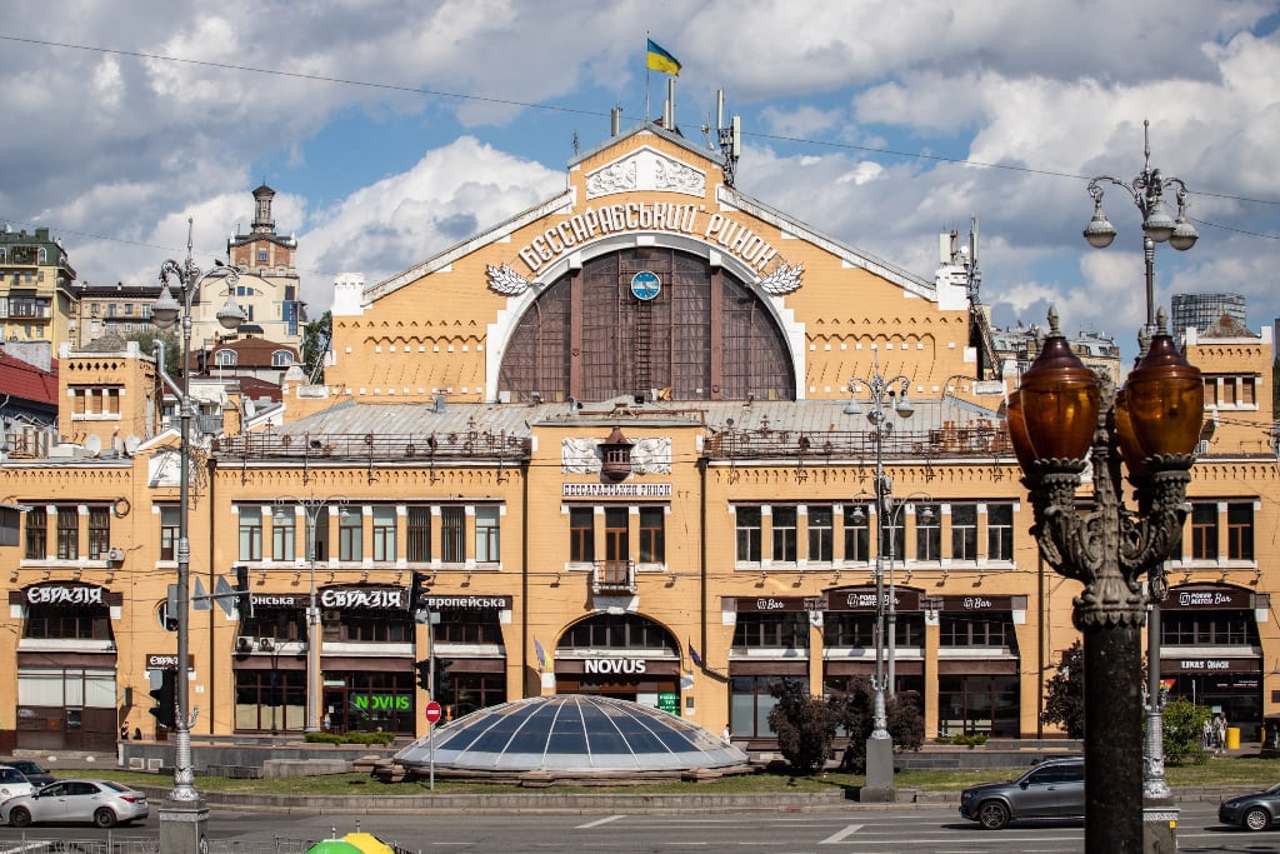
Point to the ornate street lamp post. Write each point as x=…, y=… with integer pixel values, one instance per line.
x=1062, y=412
x=883, y=393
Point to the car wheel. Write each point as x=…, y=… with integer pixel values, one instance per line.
x=104, y=817
x=1256, y=818
x=993, y=815
x=19, y=817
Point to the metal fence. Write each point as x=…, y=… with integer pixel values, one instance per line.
x=117, y=844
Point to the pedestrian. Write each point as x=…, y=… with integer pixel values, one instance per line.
x=724, y=736
x=1222, y=732
x=1206, y=734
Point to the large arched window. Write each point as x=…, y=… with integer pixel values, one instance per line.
x=618, y=631
x=705, y=336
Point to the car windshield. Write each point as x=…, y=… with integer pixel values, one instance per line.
x=1274, y=790
x=111, y=785
x=27, y=767
x=11, y=775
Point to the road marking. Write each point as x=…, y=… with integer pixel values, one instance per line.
x=452, y=843
x=20, y=848
x=599, y=822
x=841, y=835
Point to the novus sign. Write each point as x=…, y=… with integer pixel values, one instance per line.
x=618, y=666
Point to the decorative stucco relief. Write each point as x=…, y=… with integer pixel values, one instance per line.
x=646, y=169
x=648, y=456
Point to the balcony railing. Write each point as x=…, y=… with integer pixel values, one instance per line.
x=986, y=440
x=613, y=576
x=382, y=447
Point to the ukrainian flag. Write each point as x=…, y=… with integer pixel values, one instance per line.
x=660, y=60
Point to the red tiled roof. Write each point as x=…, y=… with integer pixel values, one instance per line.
x=250, y=352
x=23, y=380
x=254, y=388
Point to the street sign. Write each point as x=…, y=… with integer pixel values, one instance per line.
x=434, y=712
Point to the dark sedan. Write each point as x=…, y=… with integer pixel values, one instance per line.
x=1252, y=812
x=33, y=772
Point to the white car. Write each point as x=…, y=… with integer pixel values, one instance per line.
x=13, y=783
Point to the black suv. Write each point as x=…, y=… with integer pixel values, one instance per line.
x=1053, y=789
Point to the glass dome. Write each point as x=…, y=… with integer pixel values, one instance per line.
x=572, y=732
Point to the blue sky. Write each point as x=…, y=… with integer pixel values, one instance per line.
x=373, y=181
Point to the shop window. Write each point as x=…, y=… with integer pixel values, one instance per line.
x=60, y=621
x=453, y=534
x=282, y=624
x=270, y=700
x=65, y=688
x=787, y=630
x=1208, y=628
x=368, y=701
x=37, y=533
x=928, y=532
x=462, y=625
x=68, y=533
x=582, y=534
x=978, y=705
x=319, y=538
x=1000, y=532
x=857, y=630
x=784, y=534
x=748, y=525
x=169, y=525
x=750, y=701
x=384, y=534
x=653, y=546
x=283, y=523
x=350, y=533
x=99, y=532
x=977, y=630
x=617, y=537
x=419, y=544
x=487, y=535
x=463, y=693
x=618, y=631
x=250, y=532
x=821, y=534
x=1240, y=530
x=964, y=532
x=368, y=627
x=1204, y=531
x=893, y=537
x=857, y=532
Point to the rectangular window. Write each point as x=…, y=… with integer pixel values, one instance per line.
x=1000, y=532
x=169, y=533
x=786, y=630
x=653, y=546
x=893, y=537
x=453, y=534
x=1210, y=391
x=1248, y=391
x=617, y=540
x=853, y=629
x=748, y=525
x=970, y=630
x=821, y=534
x=1204, y=531
x=928, y=532
x=351, y=533
x=582, y=534
x=283, y=522
x=37, y=534
x=95, y=401
x=419, y=534
x=321, y=541
x=251, y=533
x=81, y=400
x=750, y=702
x=68, y=533
x=99, y=532
x=1229, y=391
x=112, y=401
x=857, y=532
x=1240, y=531
x=784, y=534
x=384, y=533
x=487, y=535
x=964, y=532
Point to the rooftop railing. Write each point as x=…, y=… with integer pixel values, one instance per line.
x=383, y=447
x=985, y=440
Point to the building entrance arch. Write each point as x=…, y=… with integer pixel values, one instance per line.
x=623, y=656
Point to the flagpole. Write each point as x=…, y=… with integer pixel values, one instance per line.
x=646, y=77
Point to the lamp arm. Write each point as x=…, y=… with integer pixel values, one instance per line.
x=164, y=375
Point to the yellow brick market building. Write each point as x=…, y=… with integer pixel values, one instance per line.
x=610, y=444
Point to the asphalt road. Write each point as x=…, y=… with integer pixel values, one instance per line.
x=932, y=830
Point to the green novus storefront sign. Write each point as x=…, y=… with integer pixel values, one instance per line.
x=381, y=702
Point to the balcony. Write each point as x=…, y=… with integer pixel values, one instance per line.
x=613, y=577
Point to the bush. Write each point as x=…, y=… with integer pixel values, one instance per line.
x=854, y=714
x=1184, y=732
x=1064, y=694
x=381, y=738
x=804, y=724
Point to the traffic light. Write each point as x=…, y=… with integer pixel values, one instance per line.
x=164, y=693
x=424, y=674
x=244, y=602
x=416, y=589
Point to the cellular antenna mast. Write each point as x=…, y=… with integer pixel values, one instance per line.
x=730, y=139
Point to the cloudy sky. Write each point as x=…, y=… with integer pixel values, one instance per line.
x=115, y=151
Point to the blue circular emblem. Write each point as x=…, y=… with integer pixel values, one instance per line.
x=645, y=285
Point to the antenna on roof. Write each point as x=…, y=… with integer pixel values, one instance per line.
x=573, y=141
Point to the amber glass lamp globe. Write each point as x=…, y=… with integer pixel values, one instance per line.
x=1017, y=425
x=1130, y=450
x=1059, y=400
x=1165, y=400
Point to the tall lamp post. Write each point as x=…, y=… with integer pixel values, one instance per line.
x=883, y=394
x=1147, y=191
x=182, y=823
x=1062, y=413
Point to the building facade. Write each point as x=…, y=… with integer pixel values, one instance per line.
x=1198, y=311
x=605, y=447
x=1017, y=348
x=37, y=296
x=121, y=310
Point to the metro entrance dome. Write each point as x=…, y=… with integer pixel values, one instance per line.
x=573, y=737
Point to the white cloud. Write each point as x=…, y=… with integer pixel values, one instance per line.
x=803, y=121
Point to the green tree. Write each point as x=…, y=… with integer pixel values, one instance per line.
x=854, y=712
x=1184, y=732
x=1064, y=694
x=172, y=355
x=804, y=724
x=315, y=342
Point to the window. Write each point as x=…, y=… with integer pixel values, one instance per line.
x=928, y=532
x=617, y=631
x=94, y=401
x=464, y=625
x=748, y=524
x=112, y=401
x=37, y=534
x=251, y=533
x=225, y=358
x=419, y=543
x=262, y=256
x=1066, y=773
x=1000, y=532
x=784, y=534
x=487, y=535
x=384, y=533
x=821, y=533
x=1204, y=531
x=617, y=539
x=350, y=533
x=582, y=534
x=68, y=533
x=281, y=359
x=60, y=621
x=970, y=705
x=99, y=532
x=1210, y=391
x=893, y=536
x=464, y=693
x=169, y=519
x=785, y=630
x=369, y=627
x=1240, y=531
x=1248, y=391
x=270, y=700
x=977, y=630
x=964, y=532
x=282, y=624
x=856, y=629
x=750, y=701
x=128, y=309
x=857, y=532
x=283, y=521
x=453, y=534
x=653, y=547
x=321, y=534
x=1228, y=391
x=1208, y=628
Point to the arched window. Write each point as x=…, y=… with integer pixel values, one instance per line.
x=704, y=335
x=225, y=358
x=281, y=359
x=618, y=631
x=42, y=256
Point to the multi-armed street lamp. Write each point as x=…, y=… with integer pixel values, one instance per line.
x=1062, y=413
x=883, y=394
x=183, y=827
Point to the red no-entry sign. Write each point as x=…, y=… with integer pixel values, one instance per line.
x=434, y=712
